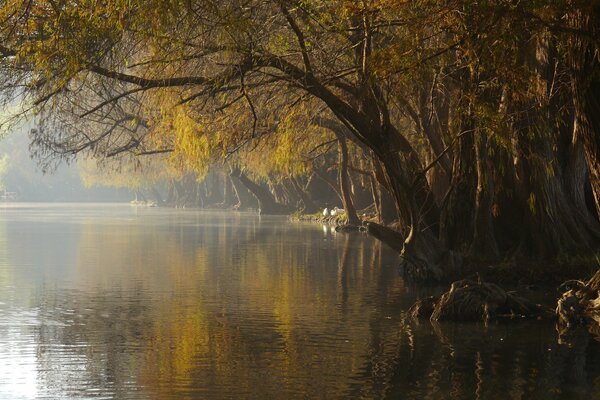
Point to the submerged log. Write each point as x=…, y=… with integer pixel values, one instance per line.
x=469, y=300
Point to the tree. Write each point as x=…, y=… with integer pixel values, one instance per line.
x=480, y=117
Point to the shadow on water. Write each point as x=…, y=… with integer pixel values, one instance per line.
x=516, y=360
x=124, y=303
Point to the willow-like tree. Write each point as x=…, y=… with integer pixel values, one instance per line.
x=483, y=116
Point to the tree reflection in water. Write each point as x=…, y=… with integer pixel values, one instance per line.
x=215, y=305
x=519, y=360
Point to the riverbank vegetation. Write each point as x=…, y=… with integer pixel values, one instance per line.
x=473, y=125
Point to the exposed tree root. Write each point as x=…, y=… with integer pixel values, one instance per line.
x=476, y=301
x=580, y=304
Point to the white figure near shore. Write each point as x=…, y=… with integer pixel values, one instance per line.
x=337, y=211
x=333, y=212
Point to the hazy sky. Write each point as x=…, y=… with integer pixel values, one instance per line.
x=24, y=177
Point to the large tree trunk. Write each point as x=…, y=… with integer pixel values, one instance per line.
x=245, y=199
x=553, y=224
x=344, y=179
x=370, y=125
x=576, y=178
x=279, y=193
x=414, y=199
x=585, y=66
x=266, y=201
x=388, y=209
x=549, y=170
x=423, y=253
x=484, y=239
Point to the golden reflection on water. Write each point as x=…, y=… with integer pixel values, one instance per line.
x=130, y=303
x=191, y=304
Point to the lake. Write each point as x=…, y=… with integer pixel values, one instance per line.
x=121, y=302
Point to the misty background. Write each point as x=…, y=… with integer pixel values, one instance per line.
x=20, y=174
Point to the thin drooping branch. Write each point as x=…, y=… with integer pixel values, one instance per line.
x=299, y=37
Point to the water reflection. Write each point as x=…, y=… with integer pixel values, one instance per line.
x=116, y=302
x=458, y=361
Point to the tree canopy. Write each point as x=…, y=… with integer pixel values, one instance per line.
x=480, y=118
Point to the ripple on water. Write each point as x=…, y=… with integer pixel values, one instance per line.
x=122, y=303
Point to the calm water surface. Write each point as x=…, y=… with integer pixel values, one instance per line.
x=118, y=302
